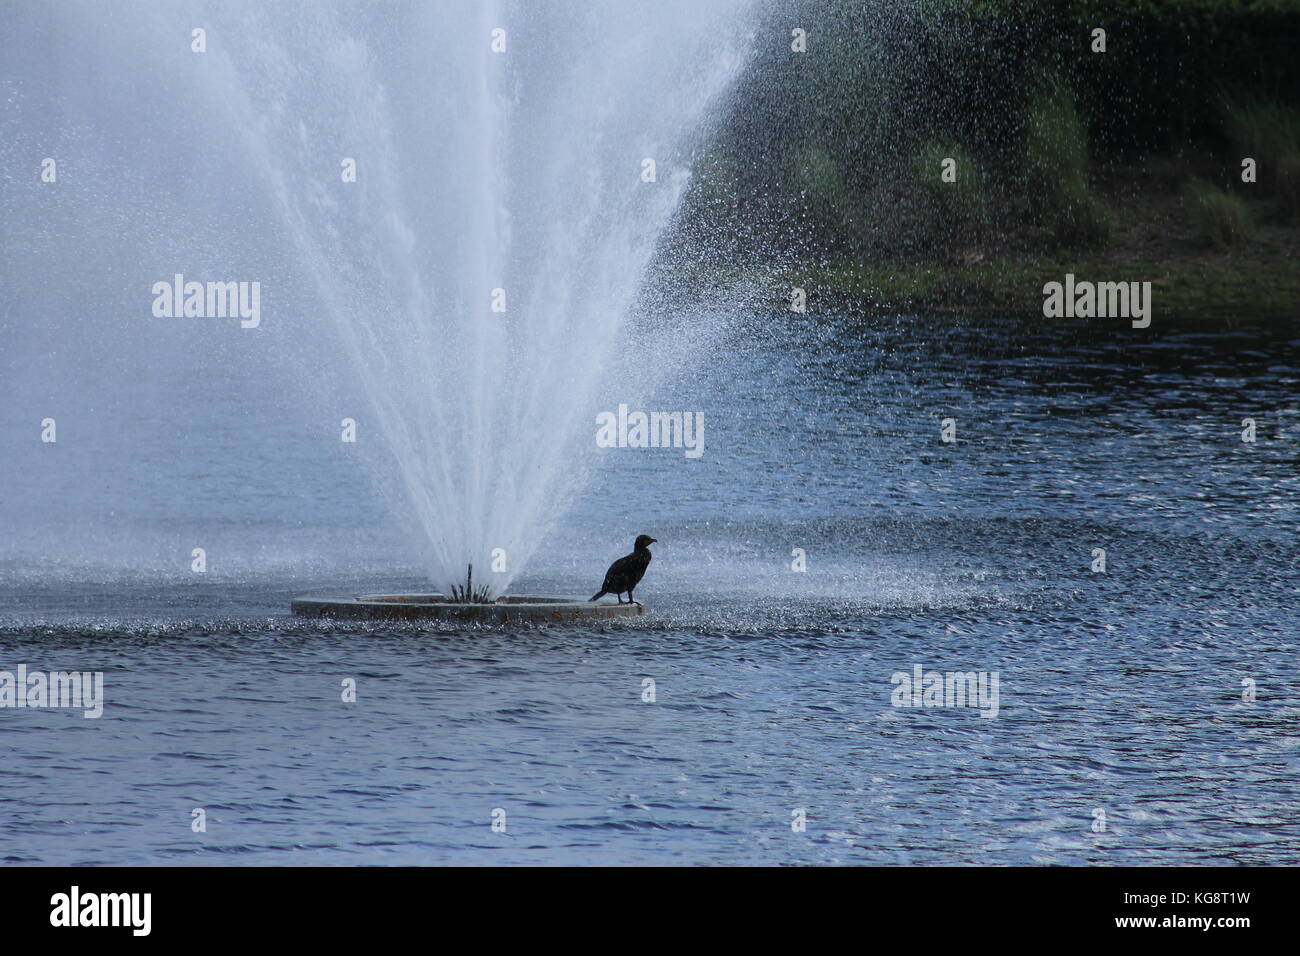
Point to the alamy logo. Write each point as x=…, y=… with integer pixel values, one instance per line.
x=923, y=688
x=103, y=909
x=84, y=689
x=1101, y=300
x=656, y=430
x=208, y=300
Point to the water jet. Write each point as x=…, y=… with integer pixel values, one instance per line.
x=418, y=235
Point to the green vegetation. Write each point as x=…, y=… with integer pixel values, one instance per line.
x=951, y=214
x=1056, y=157
x=1269, y=132
x=820, y=181
x=1264, y=129
x=1228, y=290
x=1221, y=219
x=835, y=155
x=1288, y=188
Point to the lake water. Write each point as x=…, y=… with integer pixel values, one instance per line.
x=1122, y=695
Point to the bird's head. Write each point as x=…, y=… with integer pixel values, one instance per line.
x=643, y=540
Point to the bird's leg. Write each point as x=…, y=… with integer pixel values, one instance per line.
x=631, y=599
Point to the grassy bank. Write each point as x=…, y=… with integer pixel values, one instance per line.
x=1198, y=266
x=1222, y=292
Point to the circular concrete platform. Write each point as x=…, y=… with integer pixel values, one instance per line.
x=437, y=607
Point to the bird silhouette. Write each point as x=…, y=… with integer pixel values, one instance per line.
x=626, y=573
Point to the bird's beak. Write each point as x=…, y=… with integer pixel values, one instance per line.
x=654, y=540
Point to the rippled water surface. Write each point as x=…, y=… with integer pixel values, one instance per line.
x=1121, y=693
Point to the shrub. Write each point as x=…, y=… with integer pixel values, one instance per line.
x=1056, y=161
x=1262, y=129
x=951, y=212
x=820, y=181
x=1269, y=132
x=1221, y=219
x=1288, y=188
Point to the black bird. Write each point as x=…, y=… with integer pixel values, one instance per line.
x=626, y=573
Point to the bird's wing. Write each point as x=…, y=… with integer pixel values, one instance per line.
x=636, y=569
x=617, y=571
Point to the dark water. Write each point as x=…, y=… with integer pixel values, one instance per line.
x=1120, y=692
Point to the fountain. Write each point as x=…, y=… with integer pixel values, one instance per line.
x=522, y=177
x=447, y=211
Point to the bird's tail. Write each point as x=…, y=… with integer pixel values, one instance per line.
x=598, y=595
